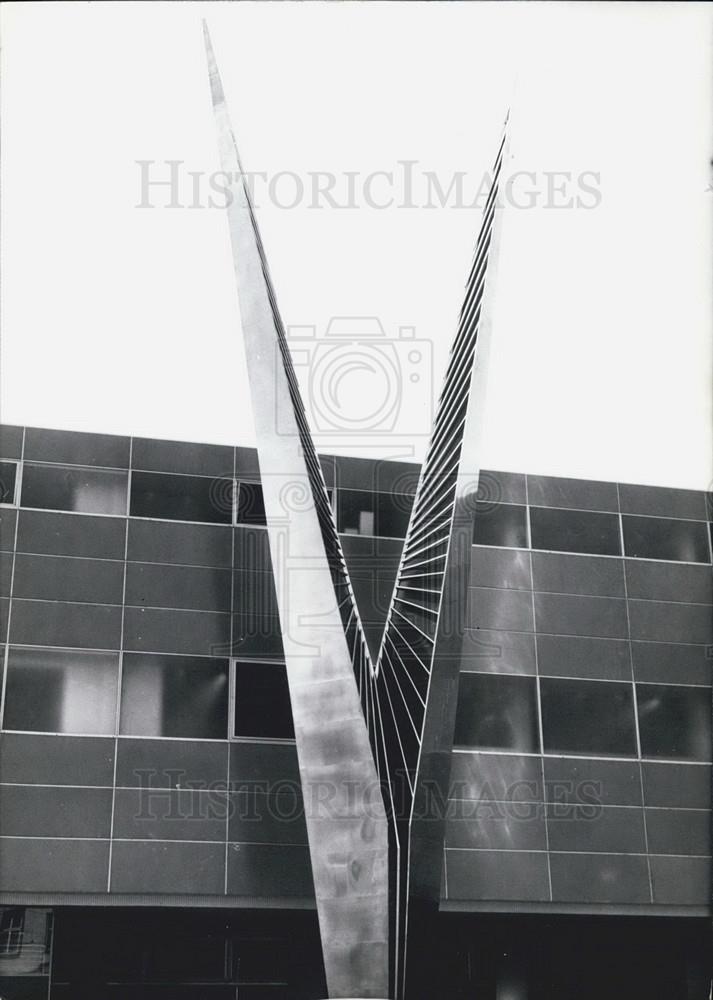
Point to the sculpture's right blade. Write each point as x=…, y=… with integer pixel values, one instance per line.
x=416, y=682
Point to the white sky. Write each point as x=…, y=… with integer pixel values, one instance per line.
x=125, y=320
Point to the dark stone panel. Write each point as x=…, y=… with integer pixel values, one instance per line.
x=152, y=455
x=501, y=487
x=47, y=623
x=671, y=663
x=54, y=865
x=599, y=878
x=167, y=764
x=496, y=777
x=4, y=613
x=508, y=610
x=574, y=531
x=583, y=656
x=198, y=588
x=252, y=550
x=163, y=814
x=168, y=867
x=677, y=785
x=561, y=573
x=76, y=448
x=579, y=494
x=264, y=765
x=56, y=760
x=596, y=829
x=378, y=475
x=585, y=782
x=254, y=594
x=71, y=535
x=664, y=538
x=497, y=875
x=681, y=881
x=661, y=622
x=655, y=581
x=5, y=573
x=602, y=617
x=10, y=441
x=278, y=818
x=175, y=542
x=491, y=651
x=662, y=501
x=60, y=578
x=8, y=521
x=257, y=638
x=265, y=870
x=503, y=826
x=679, y=831
x=29, y=988
x=492, y=567
x=36, y=811
x=203, y=633
x=247, y=466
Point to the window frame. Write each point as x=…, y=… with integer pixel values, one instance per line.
x=232, y=701
x=15, y=502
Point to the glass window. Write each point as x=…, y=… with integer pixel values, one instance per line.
x=251, y=506
x=8, y=477
x=574, y=531
x=61, y=691
x=89, y=491
x=665, y=538
x=181, y=498
x=588, y=717
x=674, y=721
x=184, y=696
x=497, y=712
x=262, y=701
x=500, y=524
x=362, y=513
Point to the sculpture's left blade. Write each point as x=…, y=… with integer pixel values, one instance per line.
x=325, y=649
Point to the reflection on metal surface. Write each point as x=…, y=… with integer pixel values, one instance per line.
x=321, y=633
x=374, y=740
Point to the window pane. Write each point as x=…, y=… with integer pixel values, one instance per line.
x=262, y=701
x=364, y=513
x=497, y=712
x=674, y=721
x=500, y=524
x=591, y=717
x=181, y=498
x=174, y=696
x=574, y=531
x=251, y=506
x=61, y=691
x=8, y=474
x=90, y=491
x=664, y=538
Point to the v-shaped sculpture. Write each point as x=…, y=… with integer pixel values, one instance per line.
x=374, y=739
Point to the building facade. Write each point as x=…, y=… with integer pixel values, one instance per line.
x=152, y=841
